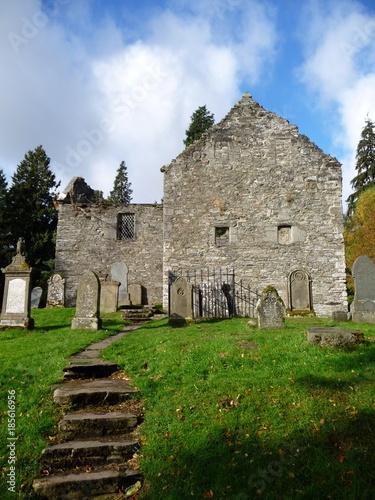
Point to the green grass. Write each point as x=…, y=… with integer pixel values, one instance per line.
x=237, y=413
x=31, y=362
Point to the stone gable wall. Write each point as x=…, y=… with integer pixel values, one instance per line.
x=276, y=191
x=87, y=239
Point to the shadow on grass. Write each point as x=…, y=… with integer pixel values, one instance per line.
x=335, y=461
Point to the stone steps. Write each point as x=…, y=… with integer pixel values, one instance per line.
x=86, y=368
x=78, y=393
x=85, y=485
x=94, y=454
x=95, y=424
x=73, y=454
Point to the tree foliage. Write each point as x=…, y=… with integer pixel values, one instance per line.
x=30, y=208
x=359, y=232
x=201, y=120
x=121, y=192
x=365, y=164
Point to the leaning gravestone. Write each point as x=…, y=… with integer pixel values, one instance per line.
x=16, y=299
x=181, y=301
x=56, y=291
x=36, y=295
x=270, y=309
x=87, y=307
x=119, y=272
x=363, y=305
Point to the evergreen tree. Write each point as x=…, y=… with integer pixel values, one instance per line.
x=31, y=213
x=365, y=164
x=121, y=193
x=4, y=230
x=201, y=120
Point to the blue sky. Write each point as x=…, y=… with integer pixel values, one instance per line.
x=97, y=82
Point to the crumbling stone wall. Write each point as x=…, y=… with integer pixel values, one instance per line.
x=255, y=195
x=87, y=239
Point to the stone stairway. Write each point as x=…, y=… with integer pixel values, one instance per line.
x=93, y=455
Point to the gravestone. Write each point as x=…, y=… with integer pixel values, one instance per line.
x=181, y=301
x=36, y=295
x=56, y=291
x=300, y=291
x=135, y=294
x=108, y=295
x=334, y=337
x=87, y=307
x=17, y=292
x=119, y=272
x=363, y=306
x=270, y=309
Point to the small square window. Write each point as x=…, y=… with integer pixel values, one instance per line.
x=125, y=227
x=284, y=235
x=221, y=236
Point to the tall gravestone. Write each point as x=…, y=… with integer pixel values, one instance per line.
x=119, y=272
x=181, y=301
x=363, y=305
x=300, y=291
x=87, y=307
x=56, y=291
x=17, y=291
x=270, y=309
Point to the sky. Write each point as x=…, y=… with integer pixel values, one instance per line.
x=98, y=82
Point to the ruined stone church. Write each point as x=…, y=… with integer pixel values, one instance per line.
x=252, y=194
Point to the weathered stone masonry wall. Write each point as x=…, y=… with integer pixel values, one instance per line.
x=87, y=239
x=276, y=191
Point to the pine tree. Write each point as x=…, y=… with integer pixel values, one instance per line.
x=365, y=164
x=31, y=213
x=201, y=120
x=121, y=193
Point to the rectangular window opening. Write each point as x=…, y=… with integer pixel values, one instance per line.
x=284, y=234
x=126, y=227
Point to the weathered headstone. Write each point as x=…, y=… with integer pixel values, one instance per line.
x=339, y=316
x=300, y=291
x=36, y=295
x=108, y=295
x=334, y=337
x=135, y=294
x=16, y=300
x=270, y=309
x=363, y=305
x=87, y=308
x=56, y=291
x=181, y=301
x=119, y=272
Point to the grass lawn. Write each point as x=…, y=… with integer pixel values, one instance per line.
x=230, y=412
x=234, y=413
x=31, y=362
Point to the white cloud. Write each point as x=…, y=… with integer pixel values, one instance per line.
x=340, y=70
x=92, y=99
